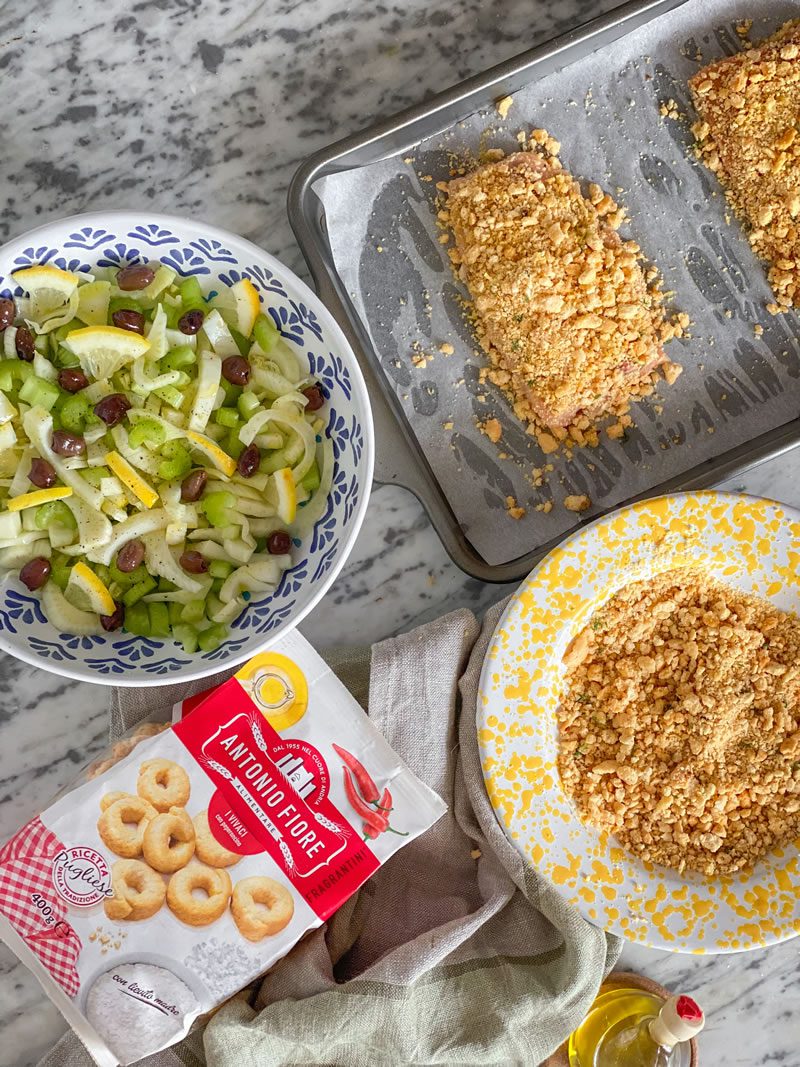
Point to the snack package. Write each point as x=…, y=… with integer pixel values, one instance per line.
x=196, y=855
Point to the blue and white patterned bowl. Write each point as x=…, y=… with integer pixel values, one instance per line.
x=116, y=238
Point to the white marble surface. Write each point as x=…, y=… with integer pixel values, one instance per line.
x=206, y=109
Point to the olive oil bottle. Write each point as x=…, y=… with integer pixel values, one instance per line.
x=627, y=1027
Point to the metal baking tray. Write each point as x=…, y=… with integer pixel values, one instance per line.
x=399, y=458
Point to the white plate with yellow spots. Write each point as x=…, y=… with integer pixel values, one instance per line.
x=749, y=543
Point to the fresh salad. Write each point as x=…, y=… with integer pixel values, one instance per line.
x=161, y=449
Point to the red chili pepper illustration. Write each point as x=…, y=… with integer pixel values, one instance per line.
x=370, y=816
x=369, y=790
x=370, y=833
x=385, y=803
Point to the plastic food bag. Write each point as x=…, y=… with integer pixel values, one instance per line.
x=195, y=855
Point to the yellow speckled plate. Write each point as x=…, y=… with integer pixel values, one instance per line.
x=750, y=543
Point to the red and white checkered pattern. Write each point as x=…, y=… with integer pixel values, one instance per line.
x=25, y=869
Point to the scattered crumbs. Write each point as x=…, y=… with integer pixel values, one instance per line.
x=671, y=371
x=728, y=313
x=758, y=330
x=492, y=429
x=446, y=348
x=577, y=503
x=773, y=309
x=420, y=360
x=431, y=578
x=546, y=507
x=444, y=238
x=476, y=854
x=659, y=409
x=513, y=508
x=503, y=455
x=408, y=159
x=503, y=106
x=447, y=425
x=379, y=248
x=743, y=27
x=546, y=441
x=426, y=177
x=493, y=155
x=670, y=110
x=615, y=431
x=709, y=429
x=537, y=476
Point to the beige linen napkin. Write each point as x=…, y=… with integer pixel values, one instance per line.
x=455, y=952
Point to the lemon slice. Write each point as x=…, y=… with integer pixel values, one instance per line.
x=87, y=592
x=247, y=304
x=93, y=303
x=221, y=460
x=286, y=495
x=129, y=477
x=49, y=288
x=41, y=496
x=102, y=350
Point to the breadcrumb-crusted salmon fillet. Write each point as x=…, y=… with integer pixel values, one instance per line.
x=561, y=302
x=749, y=106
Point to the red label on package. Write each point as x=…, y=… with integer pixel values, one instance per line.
x=273, y=790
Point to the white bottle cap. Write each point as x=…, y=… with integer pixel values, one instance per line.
x=679, y=1020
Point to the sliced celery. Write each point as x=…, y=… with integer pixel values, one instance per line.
x=170, y=395
x=136, y=592
x=217, y=508
x=185, y=635
x=54, y=513
x=176, y=461
x=178, y=359
x=210, y=639
x=194, y=611
x=228, y=417
x=248, y=404
x=232, y=393
x=74, y=412
x=220, y=568
x=175, y=613
x=312, y=478
x=191, y=293
x=38, y=391
x=265, y=332
x=137, y=619
x=159, y=619
x=147, y=432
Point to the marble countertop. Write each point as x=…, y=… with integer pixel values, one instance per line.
x=206, y=110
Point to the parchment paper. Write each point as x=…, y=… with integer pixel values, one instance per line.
x=604, y=110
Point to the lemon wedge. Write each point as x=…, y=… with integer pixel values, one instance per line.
x=49, y=288
x=41, y=496
x=93, y=301
x=247, y=304
x=130, y=478
x=102, y=350
x=221, y=460
x=87, y=592
x=286, y=495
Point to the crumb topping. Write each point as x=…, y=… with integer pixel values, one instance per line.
x=561, y=303
x=747, y=135
x=680, y=723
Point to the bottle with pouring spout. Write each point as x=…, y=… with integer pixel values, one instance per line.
x=632, y=1028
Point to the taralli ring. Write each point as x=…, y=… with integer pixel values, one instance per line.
x=107, y=799
x=138, y=891
x=198, y=911
x=207, y=848
x=164, y=784
x=122, y=824
x=168, y=842
x=255, y=922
